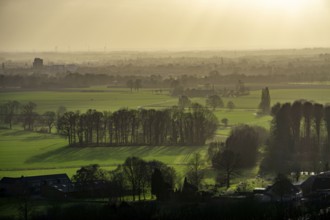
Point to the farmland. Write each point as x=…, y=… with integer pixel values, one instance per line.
x=31, y=153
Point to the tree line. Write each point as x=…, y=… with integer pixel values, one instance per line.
x=172, y=126
x=139, y=178
x=300, y=137
x=239, y=151
x=14, y=112
x=135, y=177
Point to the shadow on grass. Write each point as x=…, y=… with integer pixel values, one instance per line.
x=65, y=154
x=10, y=133
x=113, y=155
x=24, y=135
x=40, y=136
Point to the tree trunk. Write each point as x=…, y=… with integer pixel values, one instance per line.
x=228, y=180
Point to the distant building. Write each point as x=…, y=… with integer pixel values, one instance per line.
x=33, y=184
x=3, y=68
x=38, y=63
x=58, y=68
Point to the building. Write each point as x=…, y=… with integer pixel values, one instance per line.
x=317, y=184
x=280, y=191
x=33, y=184
x=38, y=63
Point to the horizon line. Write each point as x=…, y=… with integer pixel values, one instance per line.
x=162, y=50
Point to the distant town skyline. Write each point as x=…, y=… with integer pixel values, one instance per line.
x=108, y=25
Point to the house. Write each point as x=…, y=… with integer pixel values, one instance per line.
x=33, y=184
x=283, y=191
x=280, y=191
x=317, y=184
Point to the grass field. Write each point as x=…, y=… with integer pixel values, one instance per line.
x=113, y=99
x=29, y=153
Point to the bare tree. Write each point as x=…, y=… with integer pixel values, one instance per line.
x=184, y=101
x=195, y=170
x=48, y=119
x=214, y=101
x=134, y=169
x=226, y=161
x=28, y=115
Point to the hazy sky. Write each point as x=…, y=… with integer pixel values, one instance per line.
x=42, y=25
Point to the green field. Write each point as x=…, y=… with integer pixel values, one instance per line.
x=31, y=153
x=102, y=98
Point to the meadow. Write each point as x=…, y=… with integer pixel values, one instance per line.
x=31, y=153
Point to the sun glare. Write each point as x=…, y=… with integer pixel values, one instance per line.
x=287, y=5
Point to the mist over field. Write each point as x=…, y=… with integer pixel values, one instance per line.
x=152, y=109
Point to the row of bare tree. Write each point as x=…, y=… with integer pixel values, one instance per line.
x=14, y=112
x=173, y=126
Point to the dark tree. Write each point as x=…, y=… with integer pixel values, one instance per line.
x=195, y=170
x=214, y=148
x=9, y=112
x=241, y=89
x=67, y=126
x=264, y=105
x=227, y=162
x=280, y=151
x=118, y=184
x=29, y=116
x=292, y=142
x=97, y=119
x=134, y=170
x=184, y=102
x=327, y=122
x=244, y=141
x=230, y=105
x=275, y=109
x=308, y=115
x=205, y=124
x=214, y=101
x=296, y=116
x=168, y=173
x=49, y=119
x=318, y=116
x=137, y=84
x=158, y=185
x=135, y=127
x=130, y=84
x=224, y=121
x=60, y=111
x=87, y=176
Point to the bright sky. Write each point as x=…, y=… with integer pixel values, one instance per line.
x=42, y=25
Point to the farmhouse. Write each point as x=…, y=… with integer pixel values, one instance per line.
x=34, y=184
